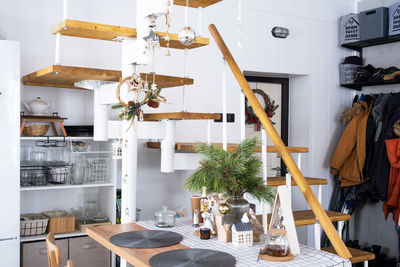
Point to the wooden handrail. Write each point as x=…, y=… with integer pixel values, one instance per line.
x=312, y=200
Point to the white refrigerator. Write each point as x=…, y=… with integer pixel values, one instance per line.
x=9, y=152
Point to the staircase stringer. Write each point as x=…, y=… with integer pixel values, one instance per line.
x=312, y=200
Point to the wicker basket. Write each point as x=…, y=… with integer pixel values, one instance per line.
x=33, y=224
x=36, y=130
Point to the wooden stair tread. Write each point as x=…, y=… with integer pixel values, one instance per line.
x=278, y=181
x=181, y=116
x=91, y=30
x=67, y=76
x=358, y=255
x=307, y=217
x=191, y=147
x=196, y=3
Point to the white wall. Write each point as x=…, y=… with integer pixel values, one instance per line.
x=311, y=50
x=368, y=223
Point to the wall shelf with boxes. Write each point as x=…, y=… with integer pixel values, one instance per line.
x=373, y=27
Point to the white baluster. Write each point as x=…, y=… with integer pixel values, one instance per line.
x=265, y=206
x=224, y=122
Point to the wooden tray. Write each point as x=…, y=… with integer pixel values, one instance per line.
x=82, y=227
x=279, y=259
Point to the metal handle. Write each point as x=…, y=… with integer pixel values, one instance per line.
x=89, y=246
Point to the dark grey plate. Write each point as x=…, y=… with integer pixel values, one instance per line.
x=146, y=239
x=193, y=258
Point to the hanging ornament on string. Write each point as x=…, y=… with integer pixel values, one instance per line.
x=168, y=22
x=136, y=83
x=187, y=35
x=153, y=39
x=239, y=25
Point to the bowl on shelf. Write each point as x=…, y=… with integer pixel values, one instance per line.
x=36, y=130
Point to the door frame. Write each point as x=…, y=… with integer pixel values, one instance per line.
x=284, y=82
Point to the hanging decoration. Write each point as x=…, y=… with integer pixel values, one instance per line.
x=168, y=22
x=133, y=108
x=270, y=108
x=117, y=149
x=187, y=35
x=153, y=39
x=239, y=24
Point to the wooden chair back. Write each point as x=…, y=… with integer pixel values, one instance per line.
x=53, y=251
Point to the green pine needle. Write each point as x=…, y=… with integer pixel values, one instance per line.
x=233, y=173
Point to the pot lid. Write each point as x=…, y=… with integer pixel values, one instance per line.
x=165, y=212
x=39, y=101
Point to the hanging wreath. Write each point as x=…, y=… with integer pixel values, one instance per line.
x=133, y=108
x=270, y=108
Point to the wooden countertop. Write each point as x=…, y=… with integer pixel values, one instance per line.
x=138, y=257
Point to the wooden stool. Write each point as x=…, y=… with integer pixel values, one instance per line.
x=54, y=252
x=51, y=119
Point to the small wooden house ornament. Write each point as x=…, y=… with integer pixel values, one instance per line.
x=242, y=233
x=282, y=217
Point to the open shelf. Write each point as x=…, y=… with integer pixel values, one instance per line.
x=278, y=181
x=359, y=86
x=357, y=46
x=84, y=29
x=196, y=3
x=67, y=76
x=34, y=138
x=191, y=147
x=63, y=186
x=358, y=255
x=56, y=236
x=181, y=116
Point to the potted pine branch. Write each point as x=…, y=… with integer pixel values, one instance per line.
x=232, y=173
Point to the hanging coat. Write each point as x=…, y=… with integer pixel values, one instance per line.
x=392, y=205
x=349, y=157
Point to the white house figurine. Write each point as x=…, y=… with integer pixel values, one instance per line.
x=242, y=233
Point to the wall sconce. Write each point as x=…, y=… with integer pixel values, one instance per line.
x=280, y=32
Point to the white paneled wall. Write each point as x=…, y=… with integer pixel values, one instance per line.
x=310, y=55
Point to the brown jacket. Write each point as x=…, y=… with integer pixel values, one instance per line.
x=349, y=157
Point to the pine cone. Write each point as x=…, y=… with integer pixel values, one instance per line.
x=153, y=104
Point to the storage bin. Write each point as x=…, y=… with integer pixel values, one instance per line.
x=60, y=221
x=374, y=23
x=347, y=73
x=33, y=224
x=32, y=176
x=58, y=175
x=349, y=28
x=394, y=19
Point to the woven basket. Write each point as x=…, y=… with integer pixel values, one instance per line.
x=36, y=130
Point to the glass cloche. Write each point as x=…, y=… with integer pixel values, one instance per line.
x=165, y=217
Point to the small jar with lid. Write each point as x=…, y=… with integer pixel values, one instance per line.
x=165, y=218
x=276, y=243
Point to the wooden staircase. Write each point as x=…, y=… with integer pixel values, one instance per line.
x=324, y=218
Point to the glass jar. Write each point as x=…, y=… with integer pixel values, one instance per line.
x=165, y=217
x=276, y=243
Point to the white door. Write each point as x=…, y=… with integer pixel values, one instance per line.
x=9, y=253
x=274, y=92
x=9, y=141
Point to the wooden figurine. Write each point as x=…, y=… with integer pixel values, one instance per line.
x=258, y=229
